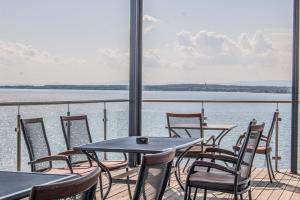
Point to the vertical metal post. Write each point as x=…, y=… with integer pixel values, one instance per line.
x=277, y=157
x=18, y=130
x=68, y=126
x=202, y=111
x=68, y=112
x=295, y=90
x=135, y=83
x=104, y=126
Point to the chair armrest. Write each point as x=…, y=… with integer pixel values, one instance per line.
x=199, y=163
x=211, y=138
x=213, y=157
x=53, y=158
x=219, y=150
x=70, y=152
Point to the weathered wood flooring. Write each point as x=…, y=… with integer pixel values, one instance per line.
x=286, y=187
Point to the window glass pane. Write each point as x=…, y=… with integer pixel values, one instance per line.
x=79, y=50
x=218, y=50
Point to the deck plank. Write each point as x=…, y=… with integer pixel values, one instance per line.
x=286, y=187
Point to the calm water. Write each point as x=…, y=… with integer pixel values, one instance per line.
x=154, y=118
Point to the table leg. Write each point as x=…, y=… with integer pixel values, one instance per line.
x=221, y=136
x=92, y=156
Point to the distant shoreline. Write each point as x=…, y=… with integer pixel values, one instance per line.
x=166, y=87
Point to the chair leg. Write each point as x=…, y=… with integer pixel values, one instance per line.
x=186, y=193
x=236, y=197
x=101, y=185
x=195, y=194
x=270, y=161
x=250, y=194
x=128, y=185
x=205, y=194
x=268, y=168
x=241, y=196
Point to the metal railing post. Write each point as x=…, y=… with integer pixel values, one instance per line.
x=68, y=112
x=277, y=157
x=18, y=130
x=104, y=126
x=68, y=126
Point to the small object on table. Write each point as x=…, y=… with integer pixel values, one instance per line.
x=142, y=140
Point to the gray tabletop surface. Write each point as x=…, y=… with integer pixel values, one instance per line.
x=129, y=145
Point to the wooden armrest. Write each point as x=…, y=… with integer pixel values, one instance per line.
x=199, y=163
x=219, y=150
x=70, y=152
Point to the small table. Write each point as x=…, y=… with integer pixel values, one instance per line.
x=224, y=128
x=16, y=185
x=129, y=145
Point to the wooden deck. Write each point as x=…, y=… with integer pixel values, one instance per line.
x=286, y=187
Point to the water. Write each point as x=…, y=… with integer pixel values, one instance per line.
x=154, y=117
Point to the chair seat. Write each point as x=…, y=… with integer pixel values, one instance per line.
x=109, y=164
x=78, y=170
x=216, y=181
x=260, y=149
x=57, y=171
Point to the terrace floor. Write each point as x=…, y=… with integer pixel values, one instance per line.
x=286, y=187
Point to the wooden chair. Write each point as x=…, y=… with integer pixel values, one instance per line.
x=154, y=175
x=77, y=132
x=39, y=150
x=81, y=188
x=234, y=180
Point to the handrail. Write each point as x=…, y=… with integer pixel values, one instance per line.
x=213, y=101
x=34, y=103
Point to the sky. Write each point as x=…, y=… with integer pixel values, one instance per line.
x=184, y=41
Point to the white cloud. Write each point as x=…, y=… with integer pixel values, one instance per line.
x=215, y=48
x=149, y=23
x=190, y=58
x=114, y=58
x=18, y=53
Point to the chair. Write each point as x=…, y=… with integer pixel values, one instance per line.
x=154, y=175
x=234, y=180
x=265, y=149
x=83, y=188
x=38, y=148
x=187, y=125
x=76, y=132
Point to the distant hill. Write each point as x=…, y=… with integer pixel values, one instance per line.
x=166, y=87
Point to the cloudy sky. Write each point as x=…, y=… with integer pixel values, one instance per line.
x=185, y=41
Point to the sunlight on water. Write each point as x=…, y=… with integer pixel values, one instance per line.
x=154, y=117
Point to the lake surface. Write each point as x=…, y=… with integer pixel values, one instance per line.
x=153, y=119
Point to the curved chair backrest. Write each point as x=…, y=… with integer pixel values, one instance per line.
x=242, y=137
x=36, y=142
x=82, y=188
x=248, y=150
x=177, y=123
x=154, y=175
x=271, y=130
x=76, y=132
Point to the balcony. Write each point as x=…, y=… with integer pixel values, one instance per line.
x=125, y=64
